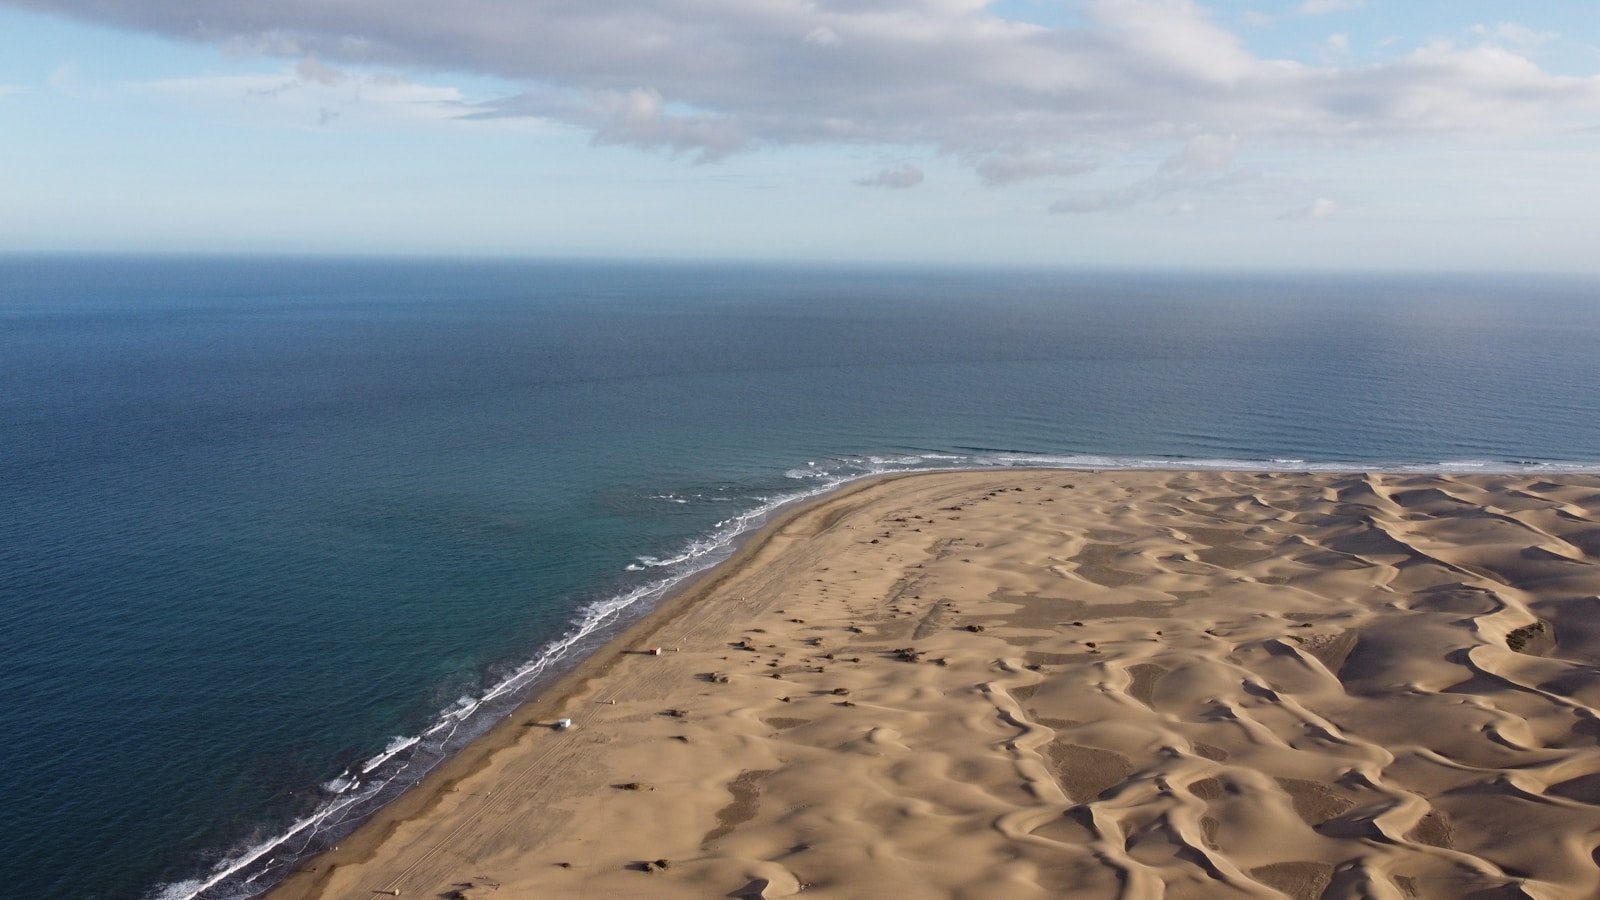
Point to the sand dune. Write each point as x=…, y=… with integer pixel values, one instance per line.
x=1044, y=684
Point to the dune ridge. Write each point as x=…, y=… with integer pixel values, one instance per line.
x=1051, y=683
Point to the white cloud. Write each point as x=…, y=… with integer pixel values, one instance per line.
x=904, y=175
x=311, y=93
x=1321, y=208
x=1011, y=99
x=640, y=118
x=1324, y=7
x=1202, y=154
x=1338, y=43
x=1513, y=34
x=310, y=70
x=66, y=81
x=822, y=35
x=1205, y=163
x=1009, y=167
x=1177, y=36
x=10, y=90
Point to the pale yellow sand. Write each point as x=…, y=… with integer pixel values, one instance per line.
x=1137, y=684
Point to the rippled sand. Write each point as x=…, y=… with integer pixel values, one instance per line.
x=1044, y=684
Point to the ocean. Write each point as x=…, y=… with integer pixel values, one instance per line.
x=277, y=534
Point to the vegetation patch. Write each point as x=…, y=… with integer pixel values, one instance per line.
x=1520, y=638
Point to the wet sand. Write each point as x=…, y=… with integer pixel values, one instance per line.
x=1041, y=684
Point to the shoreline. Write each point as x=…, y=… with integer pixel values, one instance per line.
x=423, y=795
x=1405, y=584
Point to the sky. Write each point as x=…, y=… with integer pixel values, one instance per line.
x=1322, y=134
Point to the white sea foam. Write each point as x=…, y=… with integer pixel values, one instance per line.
x=464, y=707
x=234, y=865
x=351, y=792
x=339, y=785
x=810, y=471
x=696, y=548
x=395, y=746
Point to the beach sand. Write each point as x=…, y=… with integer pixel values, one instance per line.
x=1016, y=684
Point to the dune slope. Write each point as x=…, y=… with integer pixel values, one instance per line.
x=1041, y=684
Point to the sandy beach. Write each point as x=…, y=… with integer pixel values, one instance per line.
x=1015, y=684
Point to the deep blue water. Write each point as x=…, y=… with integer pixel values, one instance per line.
x=259, y=519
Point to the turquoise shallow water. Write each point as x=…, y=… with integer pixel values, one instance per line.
x=263, y=522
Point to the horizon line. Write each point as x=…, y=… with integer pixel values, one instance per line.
x=392, y=256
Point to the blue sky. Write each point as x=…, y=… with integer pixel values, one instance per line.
x=1424, y=134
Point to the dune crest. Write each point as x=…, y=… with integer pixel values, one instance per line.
x=1048, y=683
